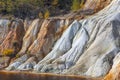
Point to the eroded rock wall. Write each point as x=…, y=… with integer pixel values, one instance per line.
x=12, y=42
x=87, y=47
x=3, y=29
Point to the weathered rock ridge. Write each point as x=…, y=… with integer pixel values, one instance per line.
x=87, y=47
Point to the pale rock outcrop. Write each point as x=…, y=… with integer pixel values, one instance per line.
x=97, y=45
x=44, y=42
x=61, y=46
x=14, y=38
x=71, y=56
x=96, y=61
x=87, y=47
x=27, y=24
x=114, y=73
x=96, y=5
x=3, y=29
x=28, y=39
x=49, y=32
x=47, y=36
x=29, y=64
x=13, y=41
x=30, y=35
x=4, y=62
x=18, y=62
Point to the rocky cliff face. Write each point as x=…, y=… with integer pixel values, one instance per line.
x=3, y=29
x=87, y=46
x=13, y=40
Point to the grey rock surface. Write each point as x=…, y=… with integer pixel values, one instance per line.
x=88, y=47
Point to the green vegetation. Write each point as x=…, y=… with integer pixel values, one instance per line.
x=47, y=14
x=77, y=4
x=8, y=52
x=37, y=8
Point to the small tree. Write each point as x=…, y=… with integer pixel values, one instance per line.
x=47, y=14
x=2, y=6
x=82, y=3
x=40, y=15
x=55, y=2
x=9, y=6
x=77, y=4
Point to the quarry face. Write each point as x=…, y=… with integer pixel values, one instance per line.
x=88, y=46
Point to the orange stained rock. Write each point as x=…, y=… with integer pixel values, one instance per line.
x=50, y=31
x=45, y=38
x=14, y=38
x=62, y=28
x=96, y=5
x=114, y=73
x=30, y=35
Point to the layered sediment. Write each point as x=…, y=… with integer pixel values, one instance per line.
x=81, y=44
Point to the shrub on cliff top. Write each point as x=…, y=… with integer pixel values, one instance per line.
x=77, y=4
x=47, y=14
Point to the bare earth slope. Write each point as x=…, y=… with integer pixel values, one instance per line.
x=87, y=47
